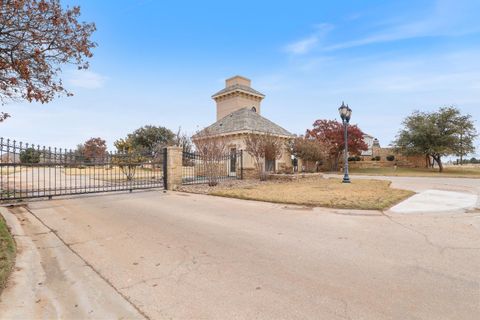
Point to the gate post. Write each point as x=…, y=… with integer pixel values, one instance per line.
x=241, y=164
x=173, y=171
x=164, y=168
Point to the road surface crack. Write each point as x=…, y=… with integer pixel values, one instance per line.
x=440, y=248
x=427, y=239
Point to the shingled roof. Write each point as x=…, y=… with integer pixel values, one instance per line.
x=244, y=120
x=238, y=87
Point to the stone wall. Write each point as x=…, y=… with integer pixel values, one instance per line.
x=383, y=153
x=367, y=162
x=250, y=173
x=294, y=176
x=370, y=164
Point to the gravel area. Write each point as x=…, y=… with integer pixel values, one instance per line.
x=203, y=188
x=246, y=183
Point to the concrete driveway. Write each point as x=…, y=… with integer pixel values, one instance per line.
x=182, y=256
x=434, y=195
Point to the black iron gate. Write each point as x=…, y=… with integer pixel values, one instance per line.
x=212, y=167
x=31, y=171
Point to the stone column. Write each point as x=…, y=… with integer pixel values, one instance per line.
x=174, y=167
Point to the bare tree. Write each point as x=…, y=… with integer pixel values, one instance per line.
x=211, y=150
x=263, y=147
x=254, y=147
x=273, y=146
x=183, y=140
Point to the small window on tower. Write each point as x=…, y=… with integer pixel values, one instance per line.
x=254, y=109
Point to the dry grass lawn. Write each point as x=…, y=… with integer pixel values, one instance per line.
x=111, y=174
x=7, y=253
x=10, y=170
x=449, y=172
x=102, y=171
x=360, y=194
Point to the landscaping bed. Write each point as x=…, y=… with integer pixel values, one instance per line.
x=7, y=253
x=314, y=191
x=203, y=188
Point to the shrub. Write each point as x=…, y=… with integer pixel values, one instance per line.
x=377, y=158
x=355, y=158
x=391, y=157
x=30, y=155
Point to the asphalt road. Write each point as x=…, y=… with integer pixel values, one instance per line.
x=182, y=256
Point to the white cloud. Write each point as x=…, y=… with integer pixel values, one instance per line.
x=86, y=79
x=381, y=88
x=305, y=45
x=302, y=46
x=445, y=18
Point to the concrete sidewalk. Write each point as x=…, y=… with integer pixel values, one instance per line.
x=437, y=201
x=51, y=282
x=435, y=194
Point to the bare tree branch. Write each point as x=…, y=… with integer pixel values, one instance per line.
x=36, y=38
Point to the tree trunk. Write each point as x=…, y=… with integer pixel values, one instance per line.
x=336, y=162
x=438, y=160
x=461, y=149
x=261, y=170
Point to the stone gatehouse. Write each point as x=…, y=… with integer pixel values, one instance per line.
x=238, y=115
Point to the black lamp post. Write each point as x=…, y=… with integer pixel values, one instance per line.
x=345, y=114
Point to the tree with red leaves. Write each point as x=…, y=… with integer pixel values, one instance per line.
x=36, y=38
x=330, y=133
x=95, y=150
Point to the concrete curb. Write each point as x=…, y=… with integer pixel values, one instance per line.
x=18, y=298
x=50, y=281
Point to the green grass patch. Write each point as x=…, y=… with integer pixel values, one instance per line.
x=7, y=253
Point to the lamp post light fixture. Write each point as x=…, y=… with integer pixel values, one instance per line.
x=345, y=114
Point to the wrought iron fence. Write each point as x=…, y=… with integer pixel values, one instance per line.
x=31, y=171
x=198, y=168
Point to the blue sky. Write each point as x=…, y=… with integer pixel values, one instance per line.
x=158, y=62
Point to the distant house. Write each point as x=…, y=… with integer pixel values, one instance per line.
x=383, y=154
x=372, y=143
x=239, y=114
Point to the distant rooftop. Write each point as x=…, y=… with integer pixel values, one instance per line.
x=244, y=120
x=238, y=83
